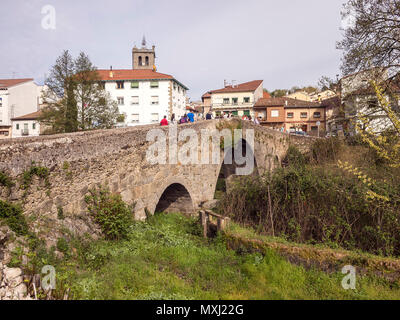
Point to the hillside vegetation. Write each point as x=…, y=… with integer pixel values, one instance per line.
x=341, y=195
x=166, y=258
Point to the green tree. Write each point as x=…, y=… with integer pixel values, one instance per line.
x=60, y=108
x=279, y=93
x=76, y=99
x=96, y=109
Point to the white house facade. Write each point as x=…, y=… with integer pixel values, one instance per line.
x=144, y=96
x=26, y=125
x=237, y=99
x=17, y=98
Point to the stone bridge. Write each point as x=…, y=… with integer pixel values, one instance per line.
x=117, y=158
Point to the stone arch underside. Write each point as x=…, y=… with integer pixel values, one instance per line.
x=227, y=172
x=175, y=198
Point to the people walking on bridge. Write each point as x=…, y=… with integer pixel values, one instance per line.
x=173, y=120
x=183, y=119
x=164, y=121
x=190, y=116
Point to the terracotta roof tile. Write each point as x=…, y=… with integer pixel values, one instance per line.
x=266, y=95
x=6, y=83
x=29, y=116
x=131, y=74
x=281, y=101
x=242, y=87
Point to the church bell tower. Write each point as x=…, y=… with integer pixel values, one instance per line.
x=143, y=58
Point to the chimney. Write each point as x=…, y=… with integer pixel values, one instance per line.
x=111, y=72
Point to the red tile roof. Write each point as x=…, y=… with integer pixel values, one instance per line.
x=242, y=87
x=29, y=116
x=266, y=95
x=272, y=102
x=6, y=83
x=206, y=95
x=131, y=74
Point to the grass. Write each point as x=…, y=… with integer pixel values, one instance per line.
x=166, y=258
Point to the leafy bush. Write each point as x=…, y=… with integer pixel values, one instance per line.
x=324, y=150
x=60, y=213
x=41, y=172
x=12, y=214
x=294, y=157
x=5, y=180
x=320, y=204
x=112, y=214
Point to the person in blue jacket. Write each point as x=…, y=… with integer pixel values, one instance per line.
x=190, y=116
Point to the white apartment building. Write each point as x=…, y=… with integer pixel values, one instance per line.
x=237, y=99
x=18, y=97
x=143, y=95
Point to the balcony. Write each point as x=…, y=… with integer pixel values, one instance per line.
x=232, y=105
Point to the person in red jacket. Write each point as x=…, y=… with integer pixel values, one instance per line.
x=164, y=122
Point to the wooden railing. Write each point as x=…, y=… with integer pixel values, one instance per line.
x=212, y=222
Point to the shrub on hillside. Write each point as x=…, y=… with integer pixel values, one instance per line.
x=323, y=150
x=12, y=215
x=320, y=204
x=110, y=212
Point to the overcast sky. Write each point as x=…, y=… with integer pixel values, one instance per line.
x=201, y=43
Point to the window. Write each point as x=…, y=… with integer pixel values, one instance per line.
x=226, y=100
x=246, y=112
x=154, y=100
x=121, y=101
x=246, y=99
x=154, y=84
x=135, y=118
x=120, y=84
x=303, y=115
x=140, y=61
x=317, y=115
x=147, y=61
x=33, y=126
x=135, y=84
x=17, y=126
x=314, y=128
x=1, y=102
x=290, y=114
x=135, y=100
x=274, y=113
x=234, y=100
x=154, y=117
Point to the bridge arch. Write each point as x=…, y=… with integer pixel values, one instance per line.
x=228, y=171
x=174, y=196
